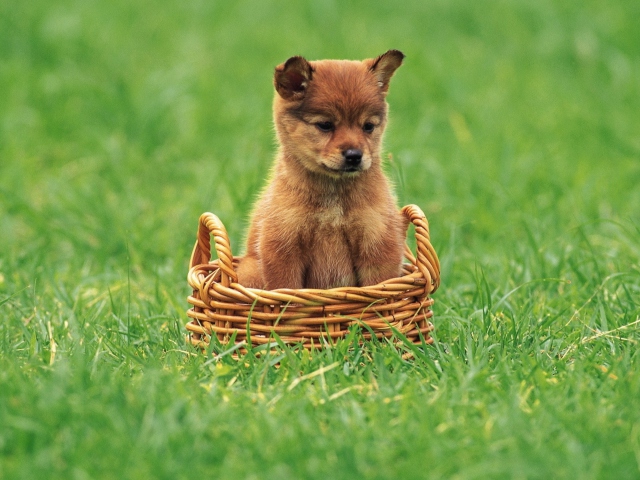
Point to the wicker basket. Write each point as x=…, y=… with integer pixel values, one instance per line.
x=313, y=318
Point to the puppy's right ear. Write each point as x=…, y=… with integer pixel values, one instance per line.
x=292, y=78
x=384, y=66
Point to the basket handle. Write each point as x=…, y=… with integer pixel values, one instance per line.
x=427, y=259
x=210, y=225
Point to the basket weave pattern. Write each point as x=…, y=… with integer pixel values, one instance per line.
x=223, y=307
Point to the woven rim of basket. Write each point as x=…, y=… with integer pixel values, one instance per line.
x=222, y=306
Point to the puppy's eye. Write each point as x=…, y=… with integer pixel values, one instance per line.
x=368, y=127
x=325, y=126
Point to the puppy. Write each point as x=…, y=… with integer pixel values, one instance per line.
x=327, y=218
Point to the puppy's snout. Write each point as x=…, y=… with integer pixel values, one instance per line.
x=352, y=157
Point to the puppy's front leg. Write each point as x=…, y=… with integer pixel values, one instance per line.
x=282, y=265
x=381, y=251
x=250, y=272
x=374, y=272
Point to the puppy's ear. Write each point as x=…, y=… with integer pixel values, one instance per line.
x=384, y=66
x=292, y=78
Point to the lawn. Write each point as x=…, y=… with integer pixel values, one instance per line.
x=514, y=125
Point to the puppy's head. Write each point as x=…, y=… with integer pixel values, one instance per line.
x=330, y=114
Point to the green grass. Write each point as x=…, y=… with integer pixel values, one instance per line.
x=514, y=125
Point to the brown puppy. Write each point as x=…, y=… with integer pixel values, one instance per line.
x=327, y=218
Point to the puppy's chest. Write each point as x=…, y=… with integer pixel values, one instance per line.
x=332, y=229
x=331, y=217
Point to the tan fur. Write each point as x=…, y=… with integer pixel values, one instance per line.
x=322, y=222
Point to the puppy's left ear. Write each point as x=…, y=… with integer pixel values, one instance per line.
x=384, y=67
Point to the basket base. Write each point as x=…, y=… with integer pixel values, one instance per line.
x=199, y=336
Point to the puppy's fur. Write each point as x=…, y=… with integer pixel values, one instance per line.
x=327, y=218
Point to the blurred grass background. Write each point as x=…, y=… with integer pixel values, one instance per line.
x=514, y=125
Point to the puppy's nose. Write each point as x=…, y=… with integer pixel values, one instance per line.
x=352, y=156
